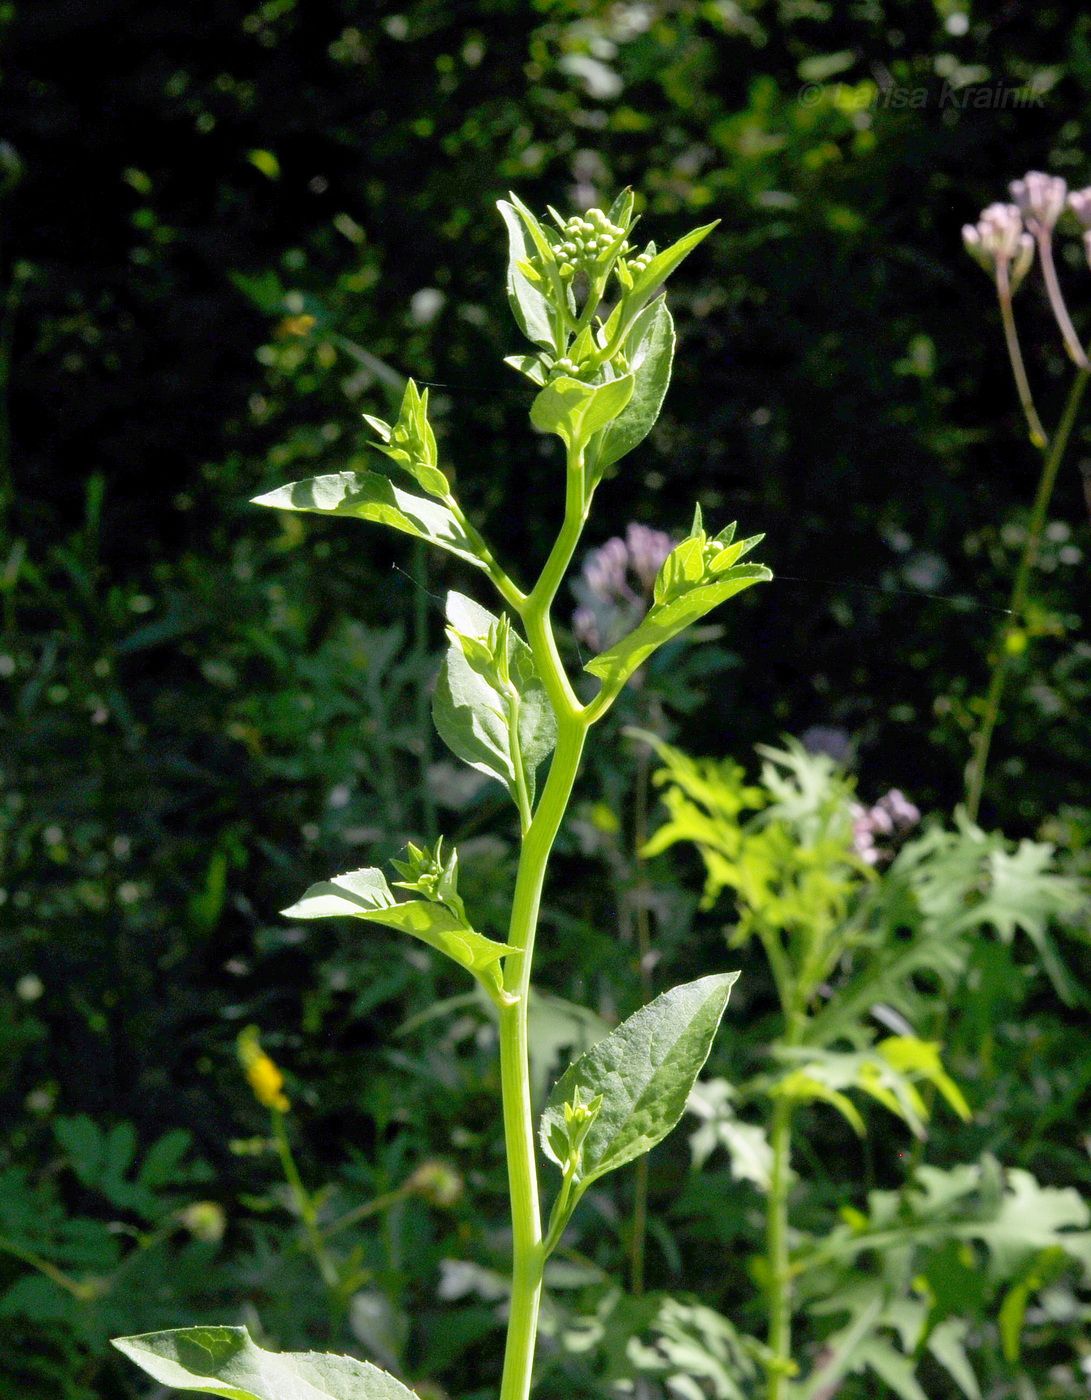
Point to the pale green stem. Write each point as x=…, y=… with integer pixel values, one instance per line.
x=522, y=796
x=85, y=1292
x=303, y=1203
x=975, y=783
x=528, y=1253
x=366, y=1210
x=644, y=950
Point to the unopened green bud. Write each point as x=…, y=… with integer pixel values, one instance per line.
x=437, y=1183
x=205, y=1221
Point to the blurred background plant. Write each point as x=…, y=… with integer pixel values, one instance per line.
x=210, y=241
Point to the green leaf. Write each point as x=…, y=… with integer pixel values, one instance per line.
x=369, y=496
x=649, y=350
x=225, y=1361
x=1045, y=1268
x=531, y=308
x=644, y=1071
x=664, y=263
x=365, y=894
x=576, y=411
x=665, y=620
x=530, y=365
x=473, y=705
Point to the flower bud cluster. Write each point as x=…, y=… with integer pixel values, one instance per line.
x=1040, y=199
x=588, y=243
x=638, y=262
x=426, y=871
x=878, y=829
x=1079, y=201
x=998, y=241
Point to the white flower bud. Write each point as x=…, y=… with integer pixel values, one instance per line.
x=1040, y=198
x=1079, y=201
x=997, y=239
x=1020, y=264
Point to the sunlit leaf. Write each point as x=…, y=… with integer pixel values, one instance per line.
x=643, y=1071
x=365, y=894
x=369, y=496
x=224, y=1361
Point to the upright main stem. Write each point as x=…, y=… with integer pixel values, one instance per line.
x=528, y=1254
x=975, y=784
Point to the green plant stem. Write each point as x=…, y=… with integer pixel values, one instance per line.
x=975, y=784
x=85, y=1292
x=528, y=1253
x=642, y=921
x=422, y=698
x=365, y=1211
x=528, y=1256
x=778, y=1260
x=304, y=1204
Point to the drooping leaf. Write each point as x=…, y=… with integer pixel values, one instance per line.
x=472, y=713
x=649, y=349
x=365, y=894
x=576, y=411
x=370, y=496
x=529, y=304
x=644, y=1071
x=225, y=1361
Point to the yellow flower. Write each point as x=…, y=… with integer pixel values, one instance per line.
x=262, y=1073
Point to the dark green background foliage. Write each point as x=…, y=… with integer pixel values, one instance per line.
x=205, y=707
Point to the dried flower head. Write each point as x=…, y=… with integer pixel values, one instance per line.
x=1040, y=199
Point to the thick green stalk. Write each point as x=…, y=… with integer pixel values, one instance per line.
x=778, y=1259
x=528, y=1254
x=975, y=782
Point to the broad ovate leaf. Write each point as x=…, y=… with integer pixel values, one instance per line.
x=576, y=411
x=471, y=710
x=649, y=350
x=370, y=496
x=641, y=1073
x=365, y=894
x=529, y=303
x=225, y=1361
